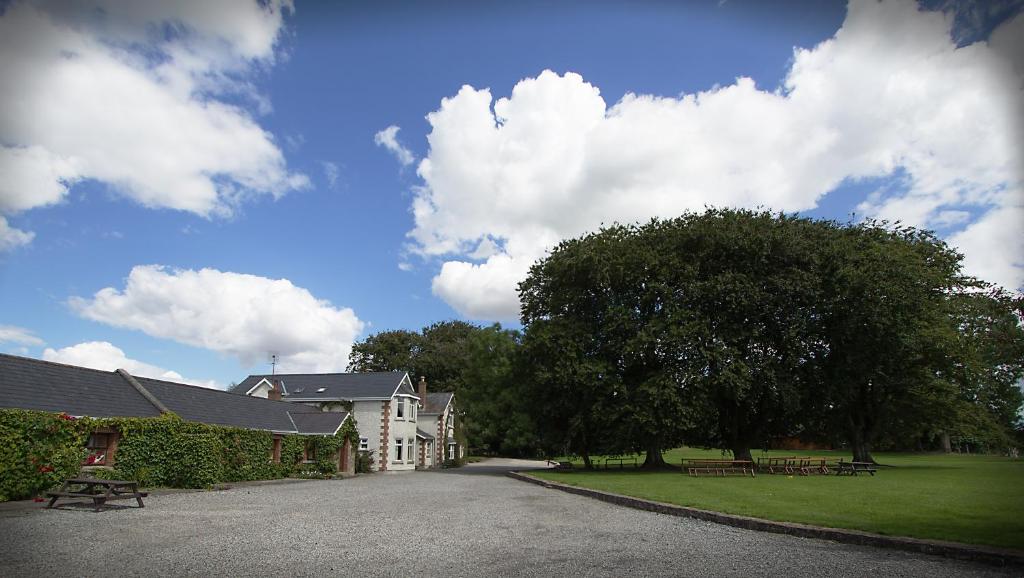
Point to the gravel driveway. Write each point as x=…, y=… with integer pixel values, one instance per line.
x=467, y=522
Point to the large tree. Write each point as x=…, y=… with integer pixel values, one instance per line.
x=885, y=326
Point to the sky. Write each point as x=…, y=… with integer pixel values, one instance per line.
x=188, y=188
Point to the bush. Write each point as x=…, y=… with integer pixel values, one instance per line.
x=38, y=451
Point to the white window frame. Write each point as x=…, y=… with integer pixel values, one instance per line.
x=364, y=444
x=410, y=445
x=451, y=451
x=400, y=409
x=399, y=443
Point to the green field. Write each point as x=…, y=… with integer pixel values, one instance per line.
x=972, y=499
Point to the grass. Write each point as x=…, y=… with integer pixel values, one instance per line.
x=971, y=499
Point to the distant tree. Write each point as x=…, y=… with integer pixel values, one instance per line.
x=493, y=395
x=438, y=352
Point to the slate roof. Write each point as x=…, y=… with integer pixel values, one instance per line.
x=436, y=402
x=422, y=434
x=42, y=385
x=46, y=386
x=318, y=422
x=336, y=386
x=213, y=406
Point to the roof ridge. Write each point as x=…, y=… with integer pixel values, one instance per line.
x=159, y=405
x=57, y=363
x=213, y=389
x=328, y=373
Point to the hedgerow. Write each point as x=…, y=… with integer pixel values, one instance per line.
x=38, y=450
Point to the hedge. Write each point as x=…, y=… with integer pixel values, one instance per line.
x=39, y=450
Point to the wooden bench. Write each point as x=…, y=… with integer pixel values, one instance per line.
x=621, y=461
x=782, y=465
x=696, y=467
x=854, y=468
x=99, y=491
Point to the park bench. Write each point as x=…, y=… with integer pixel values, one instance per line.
x=99, y=491
x=854, y=468
x=621, y=461
x=783, y=465
x=696, y=467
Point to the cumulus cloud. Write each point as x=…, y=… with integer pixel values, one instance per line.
x=133, y=94
x=105, y=356
x=331, y=172
x=19, y=335
x=244, y=316
x=388, y=138
x=889, y=96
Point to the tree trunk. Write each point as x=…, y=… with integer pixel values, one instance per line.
x=947, y=445
x=654, y=459
x=742, y=453
x=861, y=449
x=586, y=460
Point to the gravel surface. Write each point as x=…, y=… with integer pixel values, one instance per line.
x=466, y=522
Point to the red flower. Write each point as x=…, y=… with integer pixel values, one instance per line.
x=65, y=417
x=38, y=500
x=45, y=469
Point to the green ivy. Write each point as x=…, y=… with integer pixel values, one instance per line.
x=39, y=450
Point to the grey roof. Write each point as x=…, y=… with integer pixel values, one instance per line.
x=436, y=402
x=46, y=386
x=336, y=386
x=42, y=385
x=422, y=434
x=318, y=422
x=194, y=403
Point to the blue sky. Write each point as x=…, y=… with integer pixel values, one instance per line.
x=164, y=170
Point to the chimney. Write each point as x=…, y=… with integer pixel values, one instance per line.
x=423, y=391
x=275, y=390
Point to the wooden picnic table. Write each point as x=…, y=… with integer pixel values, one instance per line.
x=99, y=491
x=695, y=467
x=621, y=461
x=854, y=468
x=804, y=466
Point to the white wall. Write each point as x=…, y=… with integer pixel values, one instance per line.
x=404, y=429
x=367, y=414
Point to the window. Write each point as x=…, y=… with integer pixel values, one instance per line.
x=409, y=454
x=398, y=450
x=364, y=444
x=321, y=390
x=97, y=446
x=451, y=451
x=400, y=408
x=309, y=454
x=412, y=410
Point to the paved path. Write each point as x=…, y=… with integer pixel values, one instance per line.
x=467, y=522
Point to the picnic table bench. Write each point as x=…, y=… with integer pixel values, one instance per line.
x=622, y=462
x=695, y=467
x=794, y=465
x=854, y=468
x=99, y=491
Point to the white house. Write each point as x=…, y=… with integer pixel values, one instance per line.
x=394, y=424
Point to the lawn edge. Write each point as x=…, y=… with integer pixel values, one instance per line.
x=955, y=550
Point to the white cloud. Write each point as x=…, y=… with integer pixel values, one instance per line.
x=20, y=335
x=127, y=93
x=11, y=238
x=331, y=172
x=388, y=138
x=105, y=356
x=244, y=316
x=889, y=94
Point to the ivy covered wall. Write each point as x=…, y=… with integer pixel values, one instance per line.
x=39, y=450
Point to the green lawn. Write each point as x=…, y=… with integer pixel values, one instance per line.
x=973, y=499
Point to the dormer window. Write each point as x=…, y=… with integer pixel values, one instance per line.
x=321, y=390
x=299, y=390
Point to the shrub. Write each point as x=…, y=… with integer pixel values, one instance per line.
x=38, y=451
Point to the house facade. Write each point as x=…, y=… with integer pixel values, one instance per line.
x=384, y=405
x=402, y=428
